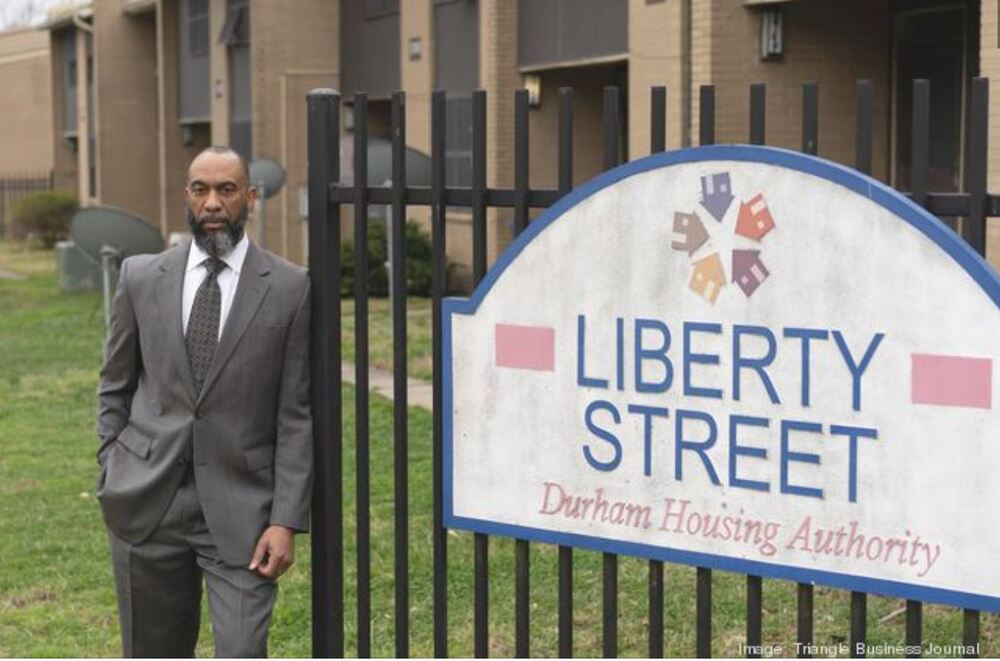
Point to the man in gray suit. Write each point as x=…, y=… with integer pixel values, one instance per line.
x=205, y=426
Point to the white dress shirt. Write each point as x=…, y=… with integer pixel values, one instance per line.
x=197, y=271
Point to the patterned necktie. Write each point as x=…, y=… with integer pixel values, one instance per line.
x=203, y=324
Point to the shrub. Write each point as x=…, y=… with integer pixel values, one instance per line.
x=418, y=261
x=43, y=216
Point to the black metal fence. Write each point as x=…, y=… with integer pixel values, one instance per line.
x=14, y=187
x=326, y=198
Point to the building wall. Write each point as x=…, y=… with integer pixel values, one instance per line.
x=417, y=75
x=588, y=85
x=989, y=66
x=25, y=103
x=656, y=57
x=284, y=70
x=127, y=111
x=219, y=65
x=498, y=75
x=175, y=155
x=833, y=43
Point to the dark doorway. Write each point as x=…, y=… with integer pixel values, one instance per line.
x=935, y=42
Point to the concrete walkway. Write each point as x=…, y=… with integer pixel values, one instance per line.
x=418, y=393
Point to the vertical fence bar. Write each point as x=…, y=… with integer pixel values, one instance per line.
x=919, y=165
x=864, y=112
x=970, y=632
x=804, y=628
x=706, y=115
x=361, y=456
x=655, y=609
x=755, y=585
x=565, y=176
x=975, y=168
x=758, y=113
x=399, y=372
x=324, y=268
x=755, y=615
x=610, y=560
x=438, y=285
x=521, y=175
x=859, y=624
x=703, y=582
x=658, y=119
x=657, y=144
x=703, y=609
x=914, y=628
x=810, y=118
x=481, y=541
x=522, y=550
x=810, y=145
x=920, y=141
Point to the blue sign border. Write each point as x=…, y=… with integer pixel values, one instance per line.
x=877, y=192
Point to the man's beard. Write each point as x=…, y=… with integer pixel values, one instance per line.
x=219, y=243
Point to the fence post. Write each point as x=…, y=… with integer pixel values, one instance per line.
x=399, y=371
x=565, y=552
x=324, y=270
x=438, y=285
x=481, y=541
x=362, y=489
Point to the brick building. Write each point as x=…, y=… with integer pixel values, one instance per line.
x=25, y=132
x=171, y=76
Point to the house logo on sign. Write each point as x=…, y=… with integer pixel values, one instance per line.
x=753, y=222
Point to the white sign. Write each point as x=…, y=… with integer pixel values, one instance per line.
x=740, y=358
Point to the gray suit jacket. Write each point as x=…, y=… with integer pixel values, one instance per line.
x=249, y=431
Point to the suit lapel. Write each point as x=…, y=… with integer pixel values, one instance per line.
x=170, y=296
x=250, y=292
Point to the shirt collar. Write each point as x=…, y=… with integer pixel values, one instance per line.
x=234, y=258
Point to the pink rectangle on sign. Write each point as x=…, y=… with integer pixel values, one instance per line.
x=952, y=381
x=526, y=347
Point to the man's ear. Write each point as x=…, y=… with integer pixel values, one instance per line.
x=251, y=196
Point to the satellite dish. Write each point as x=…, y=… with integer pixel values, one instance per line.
x=108, y=235
x=267, y=176
x=93, y=228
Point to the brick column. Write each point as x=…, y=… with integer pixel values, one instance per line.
x=498, y=75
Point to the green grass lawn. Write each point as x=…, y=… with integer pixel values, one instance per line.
x=56, y=590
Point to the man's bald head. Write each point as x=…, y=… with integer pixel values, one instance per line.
x=216, y=151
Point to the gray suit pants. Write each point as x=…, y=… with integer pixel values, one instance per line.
x=159, y=589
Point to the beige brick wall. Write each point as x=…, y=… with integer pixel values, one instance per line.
x=989, y=66
x=219, y=64
x=833, y=43
x=656, y=57
x=588, y=128
x=174, y=154
x=127, y=111
x=498, y=75
x=291, y=53
x=701, y=58
x=416, y=21
x=25, y=103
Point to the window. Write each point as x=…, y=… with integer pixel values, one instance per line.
x=377, y=8
x=197, y=27
x=193, y=75
x=236, y=30
x=458, y=142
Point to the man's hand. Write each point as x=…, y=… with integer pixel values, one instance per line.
x=275, y=552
